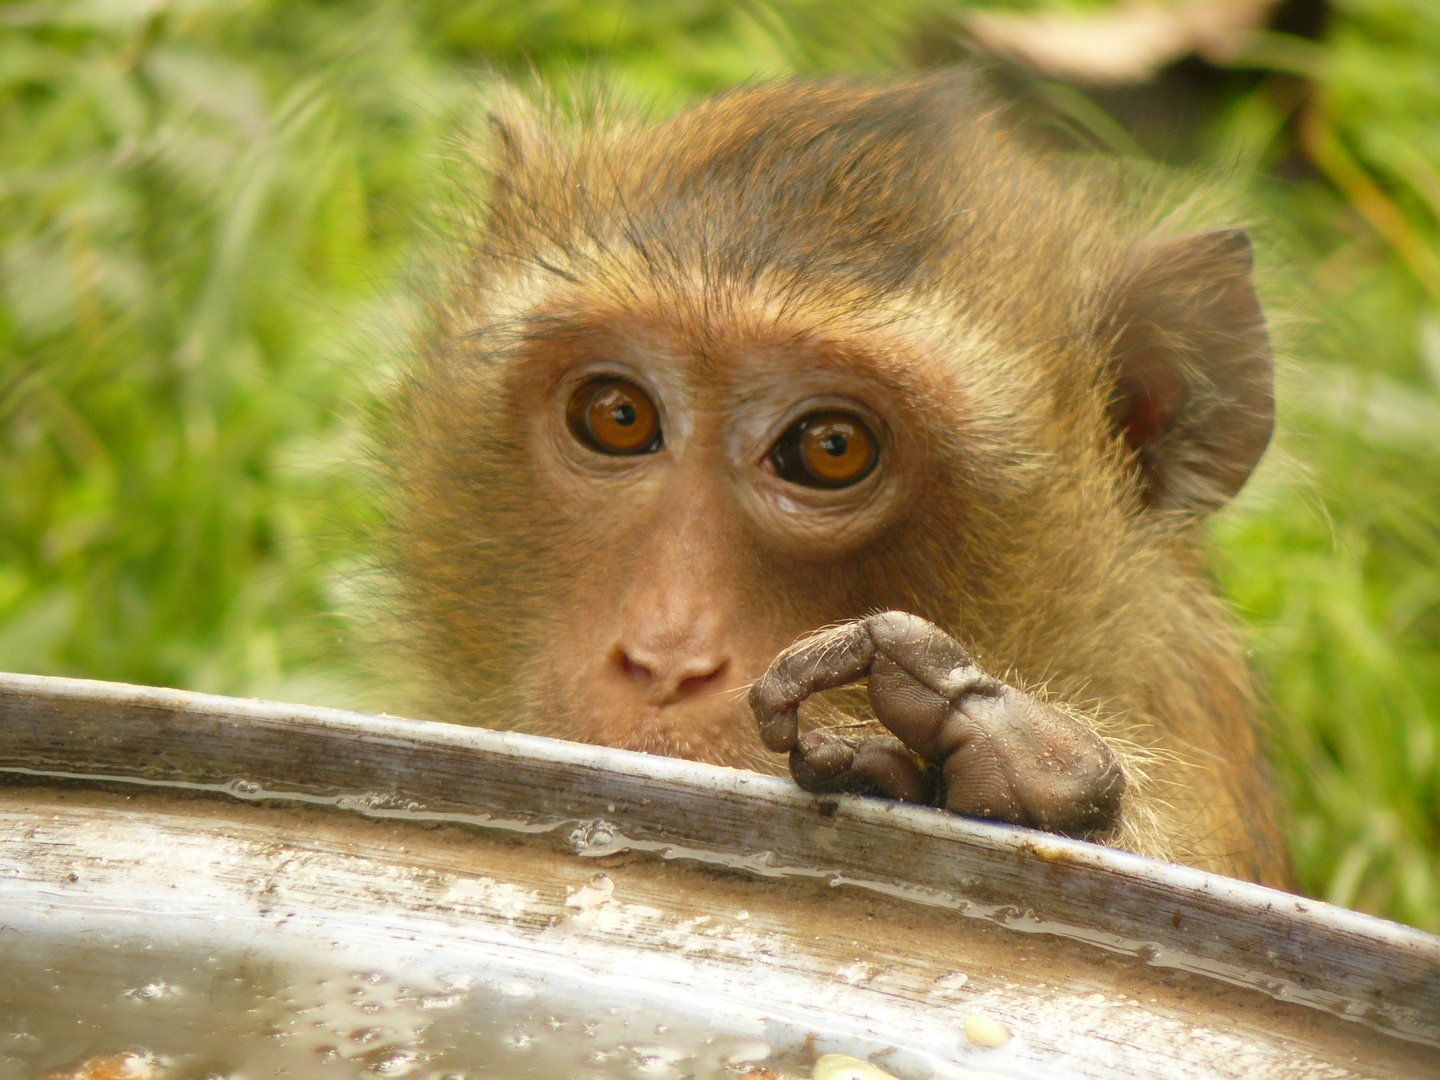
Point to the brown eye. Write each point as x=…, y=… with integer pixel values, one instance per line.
x=614, y=417
x=825, y=449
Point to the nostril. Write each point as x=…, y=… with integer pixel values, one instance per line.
x=631, y=669
x=694, y=683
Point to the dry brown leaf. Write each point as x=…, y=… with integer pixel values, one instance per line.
x=1128, y=43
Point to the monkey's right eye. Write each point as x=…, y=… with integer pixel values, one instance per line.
x=613, y=416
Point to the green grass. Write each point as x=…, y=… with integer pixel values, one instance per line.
x=207, y=215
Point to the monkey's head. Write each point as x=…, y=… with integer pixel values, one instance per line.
x=798, y=354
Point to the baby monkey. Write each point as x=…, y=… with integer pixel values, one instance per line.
x=824, y=382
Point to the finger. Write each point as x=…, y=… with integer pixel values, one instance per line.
x=1021, y=760
x=820, y=761
x=823, y=762
x=824, y=661
x=912, y=711
x=931, y=656
x=986, y=747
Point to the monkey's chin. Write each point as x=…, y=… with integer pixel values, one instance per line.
x=679, y=745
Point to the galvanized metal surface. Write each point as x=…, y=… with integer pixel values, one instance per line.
x=165, y=814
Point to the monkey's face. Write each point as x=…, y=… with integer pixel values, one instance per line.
x=705, y=502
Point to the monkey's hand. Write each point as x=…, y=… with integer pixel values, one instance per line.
x=965, y=741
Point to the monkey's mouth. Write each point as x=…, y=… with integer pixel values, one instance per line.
x=716, y=729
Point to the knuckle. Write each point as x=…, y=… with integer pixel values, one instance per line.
x=898, y=627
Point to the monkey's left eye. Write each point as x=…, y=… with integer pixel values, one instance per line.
x=614, y=417
x=825, y=449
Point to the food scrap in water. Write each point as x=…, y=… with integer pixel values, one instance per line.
x=985, y=1031
x=115, y=1067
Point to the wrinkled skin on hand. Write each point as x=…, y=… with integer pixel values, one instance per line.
x=963, y=740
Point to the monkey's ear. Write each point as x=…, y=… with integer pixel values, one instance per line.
x=1194, y=380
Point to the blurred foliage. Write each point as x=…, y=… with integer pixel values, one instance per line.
x=207, y=213
x=1334, y=557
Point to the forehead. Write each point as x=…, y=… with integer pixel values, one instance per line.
x=899, y=191
x=746, y=341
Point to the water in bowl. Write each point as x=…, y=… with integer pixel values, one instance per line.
x=237, y=1017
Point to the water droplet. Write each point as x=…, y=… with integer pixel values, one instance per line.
x=154, y=990
x=516, y=991
x=518, y=1041
x=656, y=1062
x=952, y=980
x=597, y=837
x=400, y=1063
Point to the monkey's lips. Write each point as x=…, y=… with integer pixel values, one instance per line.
x=717, y=729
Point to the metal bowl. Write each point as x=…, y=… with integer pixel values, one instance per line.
x=177, y=820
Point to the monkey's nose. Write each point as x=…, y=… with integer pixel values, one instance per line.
x=666, y=677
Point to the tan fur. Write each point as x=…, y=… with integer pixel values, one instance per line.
x=910, y=236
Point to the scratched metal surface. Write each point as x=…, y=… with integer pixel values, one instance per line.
x=220, y=824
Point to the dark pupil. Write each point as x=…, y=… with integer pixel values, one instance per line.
x=624, y=415
x=835, y=445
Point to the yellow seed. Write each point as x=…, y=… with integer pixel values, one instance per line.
x=985, y=1030
x=845, y=1067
